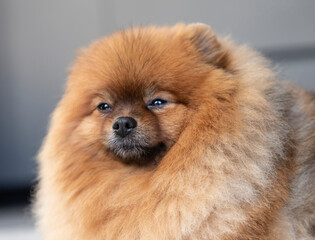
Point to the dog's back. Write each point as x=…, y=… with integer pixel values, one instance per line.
x=297, y=219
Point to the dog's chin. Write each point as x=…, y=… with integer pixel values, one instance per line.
x=137, y=154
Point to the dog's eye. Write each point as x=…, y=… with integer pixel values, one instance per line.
x=103, y=107
x=157, y=103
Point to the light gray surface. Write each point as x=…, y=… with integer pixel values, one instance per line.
x=17, y=224
x=39, y=40
x=269, y=23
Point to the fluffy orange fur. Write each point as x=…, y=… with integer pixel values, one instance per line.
x=238, y=146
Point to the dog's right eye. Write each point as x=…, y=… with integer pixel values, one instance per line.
x=103, y=107
x=157, y=103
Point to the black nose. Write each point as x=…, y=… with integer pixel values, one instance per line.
x=124, y=125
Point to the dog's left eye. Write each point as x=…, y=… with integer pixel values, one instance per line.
x=157, y=103
x=103, y=107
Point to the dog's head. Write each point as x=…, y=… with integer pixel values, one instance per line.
x=133, y=93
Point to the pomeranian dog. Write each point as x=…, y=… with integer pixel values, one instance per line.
x=173, y=133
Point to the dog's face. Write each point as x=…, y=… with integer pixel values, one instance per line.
x=132, y=94
x=140, y=128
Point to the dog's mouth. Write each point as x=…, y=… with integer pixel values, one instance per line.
x=132, y=152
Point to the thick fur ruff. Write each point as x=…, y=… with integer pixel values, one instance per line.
x=239, y=145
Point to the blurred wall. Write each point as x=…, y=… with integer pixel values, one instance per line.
x=38, y=41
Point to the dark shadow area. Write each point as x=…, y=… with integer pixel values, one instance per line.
x=292, y=53
x=18, y=196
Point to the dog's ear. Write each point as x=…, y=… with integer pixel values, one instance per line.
x=207, y=44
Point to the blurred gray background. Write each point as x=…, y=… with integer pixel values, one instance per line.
x=39, y=39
